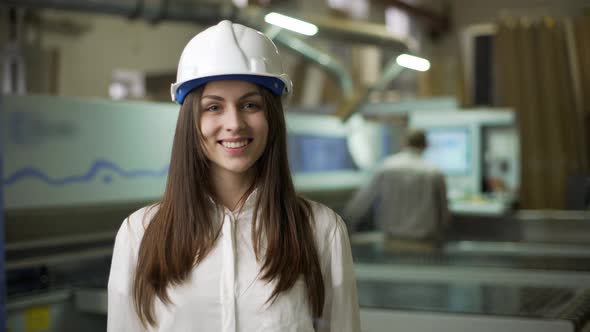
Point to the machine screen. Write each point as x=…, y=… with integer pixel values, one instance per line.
x=448, y=148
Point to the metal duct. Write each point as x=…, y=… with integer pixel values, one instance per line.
x=345, y=30
x=201, y=12
x=391, y=71
x=310, y=53
x=208, y=13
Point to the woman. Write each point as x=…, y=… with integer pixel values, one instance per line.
x=231, y=247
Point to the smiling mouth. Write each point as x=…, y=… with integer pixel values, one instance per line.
x=235, y=144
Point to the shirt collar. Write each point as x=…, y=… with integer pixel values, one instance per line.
x=250, y=201
x=414, y=151
x=246, y=207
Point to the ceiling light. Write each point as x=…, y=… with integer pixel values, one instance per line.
x=292, y=24
x=413, y=62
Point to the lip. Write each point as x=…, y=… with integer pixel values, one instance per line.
x=236, y=139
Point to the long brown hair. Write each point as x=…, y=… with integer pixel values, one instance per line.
x=182, y=231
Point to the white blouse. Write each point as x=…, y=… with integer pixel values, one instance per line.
x=225, y=293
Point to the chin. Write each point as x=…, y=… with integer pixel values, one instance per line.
x=239, y=169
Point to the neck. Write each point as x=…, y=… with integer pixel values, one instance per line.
x=231, y=188
x=414, y=149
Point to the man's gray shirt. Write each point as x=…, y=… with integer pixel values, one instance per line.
x=410, y=194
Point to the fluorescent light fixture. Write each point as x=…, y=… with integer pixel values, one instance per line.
x=292, y=24
x=240, y=3
x=413, y=62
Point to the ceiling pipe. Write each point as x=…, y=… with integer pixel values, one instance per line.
x=202, y=13
x=347, y=31
x=344, y=30
x=14, y=78
x=390, y=72
x=312, y=54
x=208, y=13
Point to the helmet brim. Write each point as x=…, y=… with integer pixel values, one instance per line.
x=273, y=84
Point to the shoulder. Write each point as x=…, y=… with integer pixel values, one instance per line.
x=134, y=226
x=331, y=238
x=393, y=159
x=414, y=162
x=431, y=168
x=396, y=161
x=141, y=218
x=126, y=250
x=327, y=223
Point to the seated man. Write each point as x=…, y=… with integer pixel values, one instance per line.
x=410, y=197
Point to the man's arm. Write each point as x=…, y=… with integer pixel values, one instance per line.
x=444, y=213
x=362, y=202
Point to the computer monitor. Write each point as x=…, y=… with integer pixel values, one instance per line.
x=449, y=149
x=315, y=153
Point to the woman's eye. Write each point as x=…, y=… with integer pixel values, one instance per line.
x=212, y=108
x=251, y=106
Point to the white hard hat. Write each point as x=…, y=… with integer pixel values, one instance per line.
x=230, y=51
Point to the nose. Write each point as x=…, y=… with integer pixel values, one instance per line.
x=234, y=119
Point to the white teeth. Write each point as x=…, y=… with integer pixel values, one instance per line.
x=234, y=145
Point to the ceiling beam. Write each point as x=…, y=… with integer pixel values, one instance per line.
x=438, y=24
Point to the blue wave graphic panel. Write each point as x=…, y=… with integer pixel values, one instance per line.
x=89, y=176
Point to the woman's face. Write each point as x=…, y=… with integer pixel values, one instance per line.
x=234, y=126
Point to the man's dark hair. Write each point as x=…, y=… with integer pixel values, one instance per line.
x=416, y=138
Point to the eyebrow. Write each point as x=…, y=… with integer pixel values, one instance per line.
x=249, y=94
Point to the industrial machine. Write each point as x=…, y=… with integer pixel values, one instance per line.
x=478, y=151
x=75, y=168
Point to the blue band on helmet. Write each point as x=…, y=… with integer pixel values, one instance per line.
x=273, y=84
